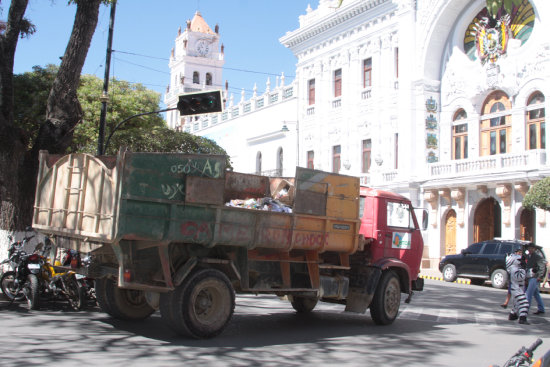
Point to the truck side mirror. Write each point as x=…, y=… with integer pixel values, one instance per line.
x=424, y=219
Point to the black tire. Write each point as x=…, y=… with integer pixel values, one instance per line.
x=32, y=292
x=303, y=304
x=449, y=273
x=123, y=304
x=76, y=294
x=477, y=281
x=499, y=279
x=7, y=285
x=387, y=298
x=166, y=302
x=202, y=305
x=101, y=298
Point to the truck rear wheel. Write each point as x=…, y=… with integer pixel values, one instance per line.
x=124, y=304
x=201, y=306
x=303, y=304
x=387, y=298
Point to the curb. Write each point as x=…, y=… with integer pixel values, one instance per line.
x=545, y=291
x=458, y=281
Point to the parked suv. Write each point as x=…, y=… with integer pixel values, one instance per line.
x=481, y=261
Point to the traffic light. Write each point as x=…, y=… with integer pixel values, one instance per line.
x=201, y=102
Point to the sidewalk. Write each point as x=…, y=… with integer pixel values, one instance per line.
x=435, y=274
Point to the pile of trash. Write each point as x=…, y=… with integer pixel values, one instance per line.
x=266, y=203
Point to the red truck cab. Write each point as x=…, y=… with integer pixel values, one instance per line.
x=392, y=234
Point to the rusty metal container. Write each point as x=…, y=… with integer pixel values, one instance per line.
x=181, y=198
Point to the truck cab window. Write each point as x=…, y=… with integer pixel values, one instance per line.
x=398, y=215
x=361, y=206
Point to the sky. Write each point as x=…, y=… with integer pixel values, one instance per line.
x=145, y=31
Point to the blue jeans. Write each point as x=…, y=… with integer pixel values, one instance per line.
x=533, y=290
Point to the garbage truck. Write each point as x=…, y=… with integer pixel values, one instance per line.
x=183, y=234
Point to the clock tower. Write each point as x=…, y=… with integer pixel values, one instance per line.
x=196, y=64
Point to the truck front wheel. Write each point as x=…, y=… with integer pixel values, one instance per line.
x=124, y=304
x=201, y=306
x=387, y=298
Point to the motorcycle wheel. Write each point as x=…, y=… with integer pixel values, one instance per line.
x=76, y=294
x=32, y=292
x=8, y=287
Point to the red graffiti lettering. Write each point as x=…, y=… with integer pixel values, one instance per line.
x=198, y=232
x=275, y=237
x=310, y=240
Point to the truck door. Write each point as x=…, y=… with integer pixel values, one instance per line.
x=402, y=237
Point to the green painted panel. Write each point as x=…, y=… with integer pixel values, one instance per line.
x=162, y=175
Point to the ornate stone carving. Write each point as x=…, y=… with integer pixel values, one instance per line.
x=521, y=187
x=458, y=195
x=431, y=196
x=504, y=192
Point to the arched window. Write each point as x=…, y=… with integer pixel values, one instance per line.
x=208, y=79
x=496, y=126
x=196, y=78
x=279, y=161
x=259, y=163
x=535, y=122
x=460, y=135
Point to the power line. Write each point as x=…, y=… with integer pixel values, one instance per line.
x=225, y=68
x=142, y=66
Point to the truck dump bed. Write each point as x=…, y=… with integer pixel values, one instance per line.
x=88, y=201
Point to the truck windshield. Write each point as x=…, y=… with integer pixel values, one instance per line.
x=399, y=215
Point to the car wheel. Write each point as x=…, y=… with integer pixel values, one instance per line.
x=499, y=278
x=449, y=273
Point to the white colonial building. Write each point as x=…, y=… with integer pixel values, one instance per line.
x=434, y=99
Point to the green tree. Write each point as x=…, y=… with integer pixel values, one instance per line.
x=538, y=195
x=125, y=100
x=143, y=133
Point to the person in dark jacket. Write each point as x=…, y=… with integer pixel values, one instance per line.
x=536, y=270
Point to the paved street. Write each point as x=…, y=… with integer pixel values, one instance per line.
x=448, y=324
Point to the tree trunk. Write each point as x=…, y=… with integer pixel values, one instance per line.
x=63, y=111
x=18, y=164
x=12, y=141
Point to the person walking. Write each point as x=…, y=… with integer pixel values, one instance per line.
x=536, y=270
x=520, y=306
x=518, y=252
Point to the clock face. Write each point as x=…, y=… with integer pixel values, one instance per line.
x=203, y=47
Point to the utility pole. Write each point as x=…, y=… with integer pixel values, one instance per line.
x=105, y=96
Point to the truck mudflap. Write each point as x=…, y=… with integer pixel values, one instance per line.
x=418, y=284
x=361, y=291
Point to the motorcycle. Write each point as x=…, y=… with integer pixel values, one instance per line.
x=73, y=259
x=61, y=283
x=22, y=282
x=524, y=357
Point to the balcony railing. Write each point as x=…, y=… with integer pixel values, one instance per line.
x=487, y=165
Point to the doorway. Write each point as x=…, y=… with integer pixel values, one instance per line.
x=487, y=220
x=527, y=225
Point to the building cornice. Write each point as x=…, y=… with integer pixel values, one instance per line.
x=330, y=21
